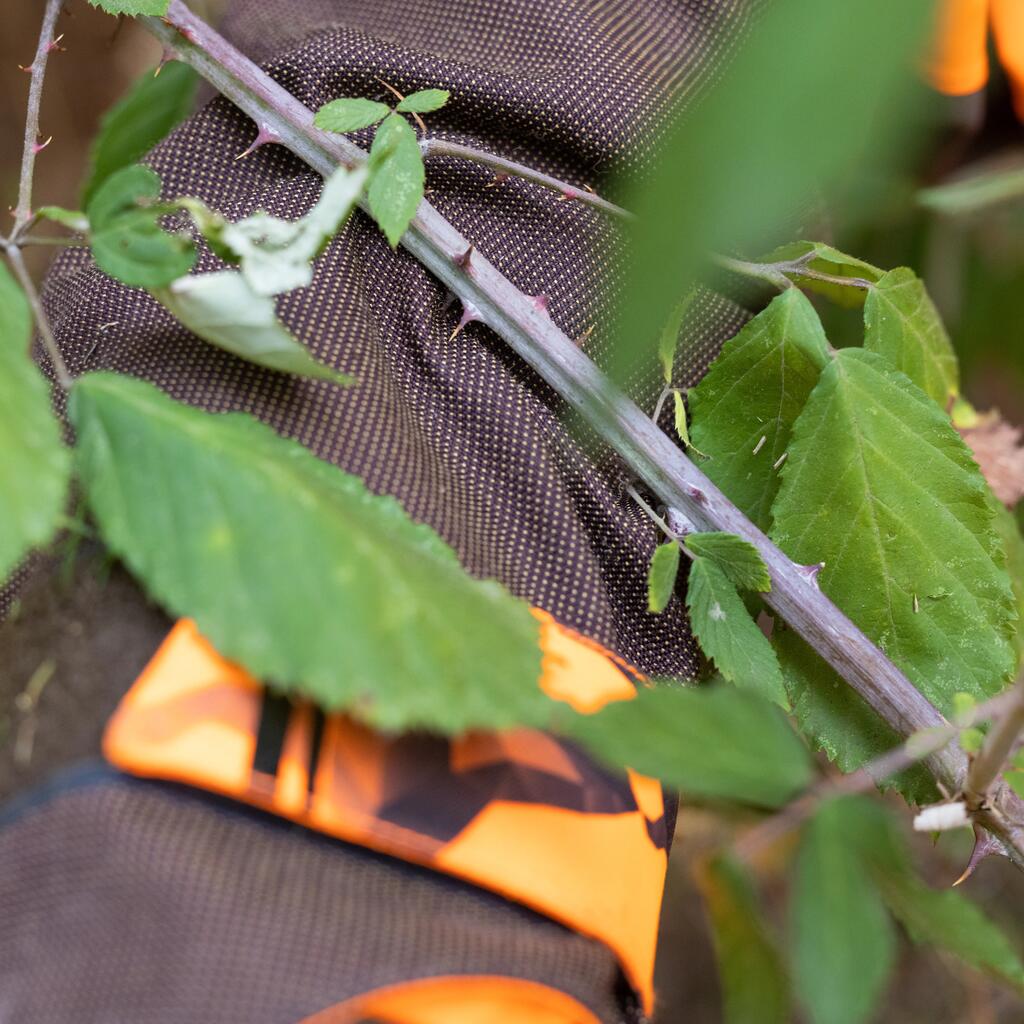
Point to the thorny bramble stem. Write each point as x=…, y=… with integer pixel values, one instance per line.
x=439, y=147
x=648, y=452
x=23, y=211
x=17, y=262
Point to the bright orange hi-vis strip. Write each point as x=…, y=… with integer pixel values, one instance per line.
x=520, y=813
x=958, y=64
x=466, y=999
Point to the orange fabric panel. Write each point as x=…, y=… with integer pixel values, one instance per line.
x=958, y=63
x=459, y=1000
x=520, y=813
x=1008, y=26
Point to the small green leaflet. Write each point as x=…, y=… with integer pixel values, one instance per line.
x=737, y=558
x=661, y=578
x=679, y=410
x=827, y=260
x=669, y=340
x=843, y=946
x=349, y=115
x=35, y=465
x=276, y=255
x=742, y=412
x=396, y=177
x=132, y=7
x=127, y=240
x=755, y=989
x=297, y=571
x=729, y=636
x=74, y=220
x=712, y=742
x=155, y=105
x=902, y=324
x=881, y=488
x=222, y=309
x=425, y=101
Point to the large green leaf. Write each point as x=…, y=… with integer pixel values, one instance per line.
x=133, y=126
x=902, y=324
x=737, y=558
x=842, y=938
x=881, y=488
x=396, y=177
x=726, y=632
x=127, y=240
x=222, y=308
x=425, y=101
x=296, y=570
x=949, y=921
x=743, y=410
x=797, y=109
x=755, y=989
x=33, y=463
x=711, y=742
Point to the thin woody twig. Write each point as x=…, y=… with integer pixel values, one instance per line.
x=439, y=147
x=998, y=745
x=23, y=211
x=17, y=262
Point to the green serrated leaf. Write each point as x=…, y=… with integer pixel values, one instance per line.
x=669, y=339
x=755, y=989
x=297, y=571
x=276, y=255
x=74, y=220
x=902, y=324
x=742, y=412
x=155, y=105
x=842, y=938
x=396, y=177
x=880, y=487
x=349, y=115
x=826, y=260
x=679, y=415
x=729, y=636
x=127, y=240
x=34, y=465
x=737, y=558
x=1013, y=546
x=132, y=7
x=831, y=714
x=676, y=734
x=424, y=101
x=661, y=577
x=222, y=309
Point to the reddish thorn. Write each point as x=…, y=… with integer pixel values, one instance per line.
x=469, y=314
x=27, y=70
x=55, y=45
x=165, y=58
x=585, y=336
x=496, y=180
x=540, y=302
x=697, y=494
x=985, y=845
x=263, y=136
x=38, y=147
x=569, y=193
x=463, y=261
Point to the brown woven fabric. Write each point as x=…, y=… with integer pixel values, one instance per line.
x=460, y=431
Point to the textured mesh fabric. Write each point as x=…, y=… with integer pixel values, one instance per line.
x=460, y=431
x=129, y=901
